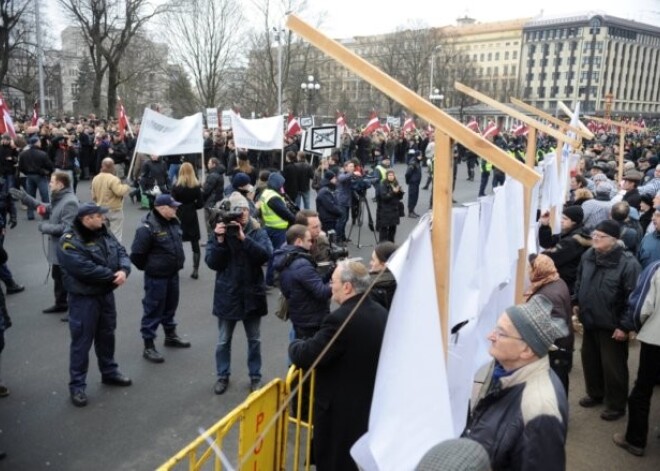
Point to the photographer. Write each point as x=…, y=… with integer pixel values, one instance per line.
x=301, y=283
x=65, y=157
x=320, y=249
x=236, y=252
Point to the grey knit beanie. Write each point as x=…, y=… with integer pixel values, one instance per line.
x=460, y=454
x=537, y=328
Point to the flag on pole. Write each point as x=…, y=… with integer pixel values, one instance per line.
x=474, y=125
x=122, y=119
x=520, y=129
x=35, y=114
x=592, y=126
x=292, y=126
x=6, y=123
x=373, y=123
x=408, y=125
x=341, y=123
x=491, y=130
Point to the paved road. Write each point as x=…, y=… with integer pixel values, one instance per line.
x=138, y=428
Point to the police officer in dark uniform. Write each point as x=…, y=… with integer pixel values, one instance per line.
x=94, y=263
x=158, y=250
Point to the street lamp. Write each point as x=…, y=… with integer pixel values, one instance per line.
x=308, y=88
x=436, y=95
x=432, y=60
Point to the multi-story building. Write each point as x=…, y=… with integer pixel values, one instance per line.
x=593, y=58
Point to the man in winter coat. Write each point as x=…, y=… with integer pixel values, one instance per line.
x=108, y=191
x=37, y=167
x=301, y=283
x=213, y=189
x=158, y=250
x=649, y=247
x=565, y=249
x=606, y=276
x=413, y=180
x=346, y=375
x=344, y=198
x=236, y=252
x=94, y=265
x=58, y=216
x=521, y=413
x=326, y=202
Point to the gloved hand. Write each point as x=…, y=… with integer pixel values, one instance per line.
x=12, y=222
x=41, y=210
x=17, y=194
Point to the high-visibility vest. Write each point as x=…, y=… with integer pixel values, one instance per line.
x=382, y=171
x=270, y=217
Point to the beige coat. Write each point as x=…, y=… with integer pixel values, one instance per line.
x=109, y=191
x=650, y=317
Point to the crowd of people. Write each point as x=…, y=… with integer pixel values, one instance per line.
x=262, y=236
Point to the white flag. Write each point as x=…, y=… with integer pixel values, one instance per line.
x=410, y=411
x=161, y=135
x=258, y=134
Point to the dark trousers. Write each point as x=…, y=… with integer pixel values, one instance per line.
x=278, y=239
x=484, y=183
x=561, y=363
x=605, y=365
x=386, y=233
x=341, y=223
x=161, y=298
x=639, y=402
x=471, y=163
x=58, y=286
x=32, y=184
x=498, y=178
x=92, y=319
x=413, y=196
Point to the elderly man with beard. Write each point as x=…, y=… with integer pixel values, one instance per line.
x=606, y=276
x=521, y=413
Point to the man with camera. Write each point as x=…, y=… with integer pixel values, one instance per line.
x=320, y=247
x=237, y=250
x=158, y=250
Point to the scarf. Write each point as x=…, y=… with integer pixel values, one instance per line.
x=543, y=271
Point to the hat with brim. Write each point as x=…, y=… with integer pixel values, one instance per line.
x=87, y=209
x=166, y=200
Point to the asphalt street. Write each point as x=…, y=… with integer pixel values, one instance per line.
x=139, y=427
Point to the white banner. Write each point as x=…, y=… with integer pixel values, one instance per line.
x=226, y=120
x=161, y=135
x=211, y=118
x=258, y=134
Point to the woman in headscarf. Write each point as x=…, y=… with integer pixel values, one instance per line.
x=545, y=280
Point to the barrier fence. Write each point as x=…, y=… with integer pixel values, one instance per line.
x=257, y=449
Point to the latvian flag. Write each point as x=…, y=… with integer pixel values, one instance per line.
x=6, y=123
x=474, y=125
x=292, y=126
x=373, y=123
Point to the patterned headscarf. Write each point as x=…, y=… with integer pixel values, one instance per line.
x=543, y=271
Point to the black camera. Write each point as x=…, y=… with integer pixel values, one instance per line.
x=223, y=213
x=336, y=252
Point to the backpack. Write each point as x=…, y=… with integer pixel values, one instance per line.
x=632, y=318
x=282, y=309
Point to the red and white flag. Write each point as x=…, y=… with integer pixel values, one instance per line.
x=122, y=119
x=408, y=125
x=35, y=114
x=6, y=123
x=592, y=126
x=474, y=125
x=641, y=123
x=341, y=123
x=520, y=129
x=491, y=130
x=292, y=126
x=373, y=124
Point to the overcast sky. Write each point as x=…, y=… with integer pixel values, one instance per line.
x=346, y=18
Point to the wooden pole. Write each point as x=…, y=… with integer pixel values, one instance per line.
x=441, y=228
x=551, y=119
x=521, y=272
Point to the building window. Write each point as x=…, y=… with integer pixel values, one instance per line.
x=506, y=56
x=513, y=70
x=490, y=56
x=481, y=57
x=515, y=54
x=557, y=61
x=506, y=70
x=497, y=56
x=74, y=89
x=541, y=92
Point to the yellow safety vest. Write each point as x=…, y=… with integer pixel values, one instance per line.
x=382, y=171
x=270, y=217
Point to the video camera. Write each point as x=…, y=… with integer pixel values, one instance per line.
x=336, y=252
x=222, y=212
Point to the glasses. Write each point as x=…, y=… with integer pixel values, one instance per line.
x=500, y=334
x=595, y=236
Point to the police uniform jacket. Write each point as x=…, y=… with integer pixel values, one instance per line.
x=90, y=259
x=158, y=247
x=240, y=289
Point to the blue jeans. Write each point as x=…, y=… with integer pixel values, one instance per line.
x=161, y=298
x=302, y=200
x=341, y=223
x=92, y=319
x=223, y=350
x=32, y=184
x=173, y=173
x=278, y=239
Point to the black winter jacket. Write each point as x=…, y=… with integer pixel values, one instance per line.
x=521, y=419
x=327, y=206
x=603, y=284
x=34, y=161
x=387, y=211
x=158, y=248
x=90, y=259
x=214, y=187
x=565, y=250
x=302, y=286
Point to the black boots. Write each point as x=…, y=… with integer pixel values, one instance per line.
x=150, y=353
x=195, y=273
x=173, y=340
x=13, y=287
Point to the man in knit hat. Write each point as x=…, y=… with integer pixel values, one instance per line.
x=459, y=454
x=566, y=248
x=521, y=414
x=606, y=276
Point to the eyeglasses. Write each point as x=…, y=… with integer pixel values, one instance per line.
x=595, y=236
x=500, y=334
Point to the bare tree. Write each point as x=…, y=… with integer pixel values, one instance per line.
x=180, y=93
x=417, y=44
x=16, y=22
x=108, y=27
x=206, y=37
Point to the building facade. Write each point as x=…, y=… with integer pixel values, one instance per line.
x=593, y=58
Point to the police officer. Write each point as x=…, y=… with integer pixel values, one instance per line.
x=158, y=250
x=93, y=265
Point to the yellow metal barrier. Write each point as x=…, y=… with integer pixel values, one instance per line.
x=305, y=392
x=252, y=416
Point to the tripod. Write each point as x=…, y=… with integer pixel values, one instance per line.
x=361, y=208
